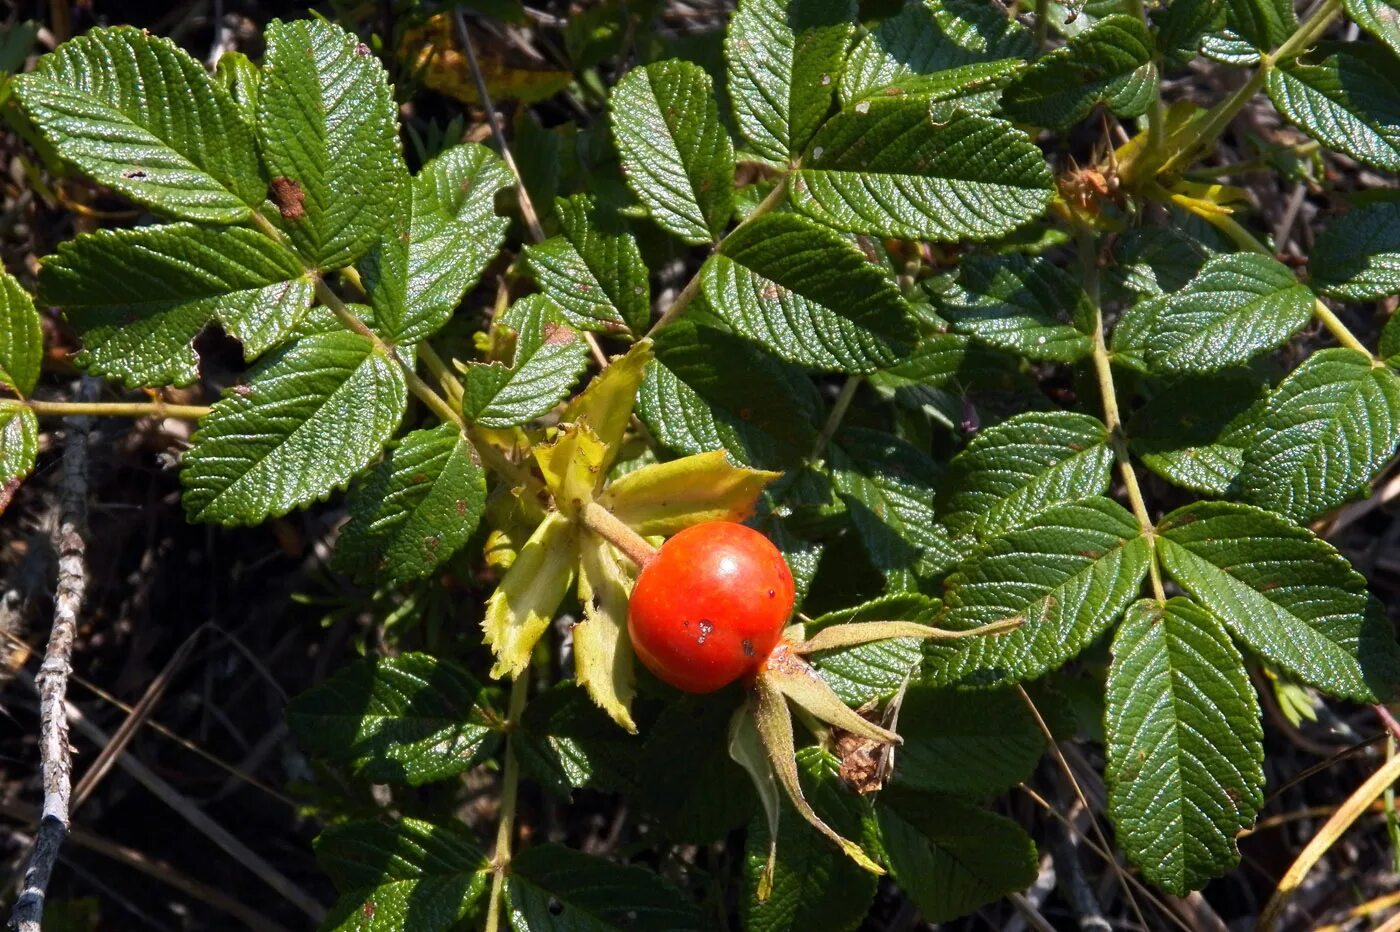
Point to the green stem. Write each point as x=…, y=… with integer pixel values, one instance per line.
x=838, y=413
x=510, y=791
x=451, y=386
x=692, y=287
x=1307, y=33
x=116, y=409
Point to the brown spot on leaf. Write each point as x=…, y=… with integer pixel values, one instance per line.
x=461, y=507
x=361, y=49
x=289, y=198
x=135, y=174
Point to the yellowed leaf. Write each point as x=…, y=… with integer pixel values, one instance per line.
x=430, y=52
x=572, y=466
x=606, y=404
x=667, y=497
x=602, y=649
x=524, y=603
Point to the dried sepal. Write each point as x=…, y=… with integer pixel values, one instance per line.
x=602, y=649
x=855, y=634
x=798, y=680
x=528, y=595
x=664, y=498
x=747, y=750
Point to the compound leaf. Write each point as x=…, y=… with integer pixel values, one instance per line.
x=1108, y=63
x=1239, y=305
x=1185, y=747
x=21, y=339
x=408, y=876
x=1025, y=305
x=553, y=887
x=328, y=129
x=1326, y=430
x=807, y=295
x=311, y=416
x=1193, y=431
x=416, y=509
x=899, y=169
x=784, y=57
x=1290, y=596
x=1357, y=258
x=1349, y=101
x=677, y=157
x=1066, y=575
x=139, y=297
x=409, y=719
x=139, y=115
x=594, y=271
x=1014, y=470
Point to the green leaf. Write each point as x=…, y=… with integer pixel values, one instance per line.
x=428, y=259
x=1185, y=747
x=952, y=857
x=328, y=128
x=898, y=169
x=677, y=157
x=932, y=39
x=1239, y=306
x=565, y=741
x=549, y=358
x=312, y=415
x=1357, y=258
x=815, y=885
x=136, y=113
x=876, y=670
x=1381, y=18
x=21, y=340
x=784, y=58
x=1021, y=304
x=139, y=297
x=1349, y=101
x=1194, y=430
x=237, y=74
x=409, y=719
x=408, y=876
x=973, y=745
x=1264, y=24
x=1327, y=430
x=1155, y=260
x=416, y=509
x=553, y=887
x=710, y=390
x=1108, y=63
x=950, y=360
x=1290, y=596
x=595, y=271
x=1182, y=23
x=1014, y=470
x=807, y=295
x=1067, y=574
x=19, y=447
x=888, y=487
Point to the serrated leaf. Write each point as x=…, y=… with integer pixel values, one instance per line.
x=1381, y=18
x=1182, y=24
x=594, y=271
x=527, y=597
x=1155, y=260
x=416, y=509
x=436, y=250
x=710, y=390
x=19, y=447
x=328, y=130
x=565, y=741
x=605, y=406
x=1184, y=744
x=21, y=340
x=899, y=169
x=973, y=745
x=1357, y=258
x=1290, y=596
x=139, y=297
x=815, y=885
x=676, y=156
x=807, y=295
x=664, y=498
x=547, y=364
x=950, y=360
x=1067, y=574
x=1107, y=63
x=1264, y=24
x=408, y=876
x=311, y=416
x=1194, y=431
x=1326, y=431
x=1239, y=306
x=1349, y=101
x=552, y=887
x=930, y=39
x=952, y=857
x=139, y=115
x=888, y=487
x=784, y=57
x=602, y=648
x=1024, y=305
x=409, y=719
x=237, y=74
x=1014, y=470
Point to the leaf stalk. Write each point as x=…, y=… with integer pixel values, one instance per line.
x=510, y=791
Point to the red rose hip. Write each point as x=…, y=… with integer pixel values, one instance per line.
x=710, y=606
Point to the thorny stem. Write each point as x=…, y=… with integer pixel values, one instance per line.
x=606, y=525
x=116, y=409
x=1112, y=417
x=692, y=287
x=510, y=789
x=838, y=413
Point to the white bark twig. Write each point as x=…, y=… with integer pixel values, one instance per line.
x=54, y=752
